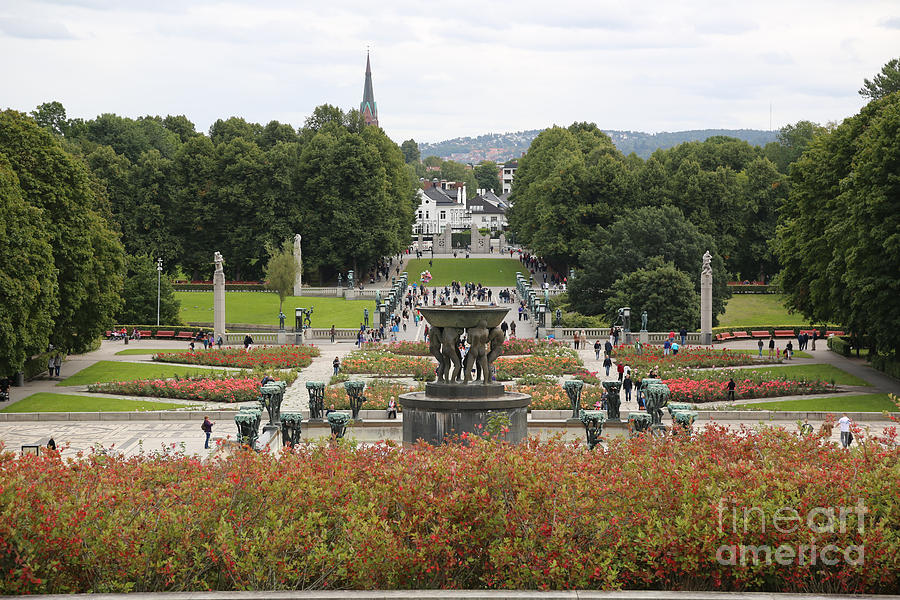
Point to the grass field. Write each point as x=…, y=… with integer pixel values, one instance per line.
x=487, y=271
x=107, y=370
x=817, y=372
x=142, y=351
x=861, y=403
x=758, y=310
x=261, y=308
x=48, y=402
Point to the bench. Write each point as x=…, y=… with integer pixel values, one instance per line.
x=165, y=334
x=185, y=335
x=145, y=333
x=827, y=333
x=784, y=333
x=740, y=335
x=759, y=334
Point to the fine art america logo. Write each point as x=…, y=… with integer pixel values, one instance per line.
x=821, y=523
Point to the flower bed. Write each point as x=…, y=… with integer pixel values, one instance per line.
x=386, y=363
x=405, y=348
x=553, y=397
x=518, y=366
x=711, y=390
x=208, y=389
x=516, y=346
x=537, y=516
x=377, y=394
x=263, y=357
x=696, y=357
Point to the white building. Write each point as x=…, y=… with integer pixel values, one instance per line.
x=439, y=208
x=507, y=173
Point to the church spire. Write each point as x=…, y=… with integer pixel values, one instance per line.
x=367, y=107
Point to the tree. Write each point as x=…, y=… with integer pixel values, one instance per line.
x=51, y=116
x=636, y=238
x=792, y=141
x=667, y=294
x=87, y=255
x=139, y=293
x=281, y=271
x=883, y=84
x=839, y=237
x=486, y=175
x=410, y=150
x=28, y=291
x=433, y=161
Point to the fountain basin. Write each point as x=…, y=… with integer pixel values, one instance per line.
x=434, y=419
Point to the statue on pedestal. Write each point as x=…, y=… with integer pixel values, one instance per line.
x=707, y=263
x=218, y=260
x=644, y=321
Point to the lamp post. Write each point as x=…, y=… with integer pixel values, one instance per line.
x=158, y=279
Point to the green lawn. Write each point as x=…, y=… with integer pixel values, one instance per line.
x=487, y=271
x=48, y=402
x=139, y=351
x=260, y=308
x=817, y=372
x=758, y=310
x=107, y=370
x=861, y=403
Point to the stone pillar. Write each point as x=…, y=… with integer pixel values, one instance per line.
x=218, y=298
x=706, y=300
x=298, y=256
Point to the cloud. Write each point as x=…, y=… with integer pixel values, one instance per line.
x=890, y=23
x=34, y=29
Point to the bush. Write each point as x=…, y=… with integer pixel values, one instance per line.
x=886, y=364
x=538, y=516
x=36, y=365
x=740, y=288
x=839, y=345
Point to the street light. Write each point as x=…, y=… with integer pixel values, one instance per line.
x=158, y=279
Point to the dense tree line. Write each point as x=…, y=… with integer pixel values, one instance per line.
x=181, y=195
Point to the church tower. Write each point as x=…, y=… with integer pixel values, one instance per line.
x=367, y=107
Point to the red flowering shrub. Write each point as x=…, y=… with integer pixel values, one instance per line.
x=405, y=348
x=711, y=390
x=649, y=513
x=209, y=389
x=512, y=367
x=385, y=363
x=262, y=357
x=697, y=357
x=377, y=394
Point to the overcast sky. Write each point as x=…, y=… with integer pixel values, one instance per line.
x=451, y=68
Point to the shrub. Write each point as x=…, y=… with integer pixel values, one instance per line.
x=379, y=362
x=644, y=515
x=519, y=366
x=839, y=345
x=886, y=364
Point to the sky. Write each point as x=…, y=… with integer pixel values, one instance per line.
x=453, y=68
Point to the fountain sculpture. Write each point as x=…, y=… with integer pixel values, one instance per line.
x=460, y=401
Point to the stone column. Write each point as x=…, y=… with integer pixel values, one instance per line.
x=298, y=256
x=706, y=300
x=218, y=298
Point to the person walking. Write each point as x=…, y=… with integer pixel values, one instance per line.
x=597, y=348
x=575, y=338
x=337, y=365
x=51, y=366
x=683, y=334
x=332, y=332
x=607, y=348
x=667, y=345
x=57, y=363
x=607, y=363
x=760, y=344
x=731, y=386
x=248, y=342
x=620, y=369
x=207, y=429
x=626, y=385
x=815, y=336
x=789, y=350
x=846, y=435
x=771, y=346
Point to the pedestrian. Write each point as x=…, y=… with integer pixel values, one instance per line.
x=760, y=344
x=597, y=348
x=683, y=334
x=607, y=363
x=815, y=337
x=332, y=334
x=207, y=429
x=575, y=338
x=248, y=341
x=51, y=444
x=620, y=369
x=336, y=364
x=637, y=391
x=731, y=386
x=789, y=350
x=667, y=346
x=51, y=365
x=512, y=329
x=626, y=385
x=615, y=336
x=771, y=346
x=607, y=349
x=219, y=342
x=366, y=316
x=846, y=435
x=192, y=345
x=57, y=363
x=392, y=409
x=675, y=348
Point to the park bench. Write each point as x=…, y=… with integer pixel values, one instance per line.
x=827, y=333
x=760, y=334
x=145, y=333
x=185, y=335
x=784, y=333
x=165, y=334
x=740, y=335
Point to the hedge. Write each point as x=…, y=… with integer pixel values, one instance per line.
x=753, y=289
x=886, y=364
x=649, y=513
x=771, y=328
x=839, y=345
x=229, y=287
x=154, y=328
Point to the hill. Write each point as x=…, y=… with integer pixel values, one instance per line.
x=504, y=146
